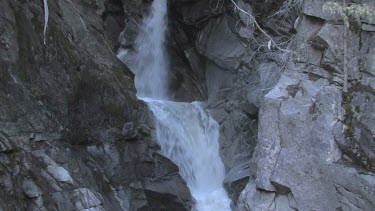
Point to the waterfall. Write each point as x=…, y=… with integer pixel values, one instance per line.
x=151, y=65
x=187, y=134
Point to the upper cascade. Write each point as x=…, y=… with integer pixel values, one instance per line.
x=151, y=63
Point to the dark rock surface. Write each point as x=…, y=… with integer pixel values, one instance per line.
x=73, y=135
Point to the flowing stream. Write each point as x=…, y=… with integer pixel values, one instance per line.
x=187, y=134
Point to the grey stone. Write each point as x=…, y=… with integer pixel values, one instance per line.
x=315, y=8
x=332, y=35
x=368, y=27
x=355, y=134
x=30, y=189
x=218, y=43
x=5, y=144
x=60, y=174
x=86, y=199
x=363, y=106
x=129, y=131
x=168, y=193
x=307, y=29
x=269, y=138
x=236, y=179
x=262, y=81
x=40, y=137
x=253, y=199
x=355, y=188
x=219, y=82
x=370, y=62
x=61, y=203
x=194, y=12
x=244, y=17
x=295, y=143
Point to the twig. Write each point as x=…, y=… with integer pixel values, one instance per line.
x=260, y=28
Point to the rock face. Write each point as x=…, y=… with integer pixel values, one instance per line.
x=73, y=136
x=315, y=148
x=287, y=128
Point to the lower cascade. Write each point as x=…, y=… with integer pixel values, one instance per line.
x=189, y=137
x=187, y=134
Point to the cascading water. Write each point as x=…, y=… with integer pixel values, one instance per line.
x=151, y=63
x=185, y=131
x=189, y=137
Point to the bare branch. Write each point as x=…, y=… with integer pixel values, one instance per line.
x=260, y=28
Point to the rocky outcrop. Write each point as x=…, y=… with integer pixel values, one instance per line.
x=237, y=76
x=288, y=137
x=314, y=149
x=73, y=135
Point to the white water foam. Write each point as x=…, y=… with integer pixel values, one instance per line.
x=187, y=134
x=151, y=61
x=189, y=137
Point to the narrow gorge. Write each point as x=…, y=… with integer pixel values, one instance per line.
x=186, y=133
x=201, y=105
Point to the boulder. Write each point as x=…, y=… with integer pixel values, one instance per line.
x=262, y=81
x=30, y=189
x=219, y=44
x=86, y=199
x=258, y=200
x=295, y=141
x=236, y=180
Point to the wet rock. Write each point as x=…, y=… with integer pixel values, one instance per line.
x=167, y=189
x=162, y=194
